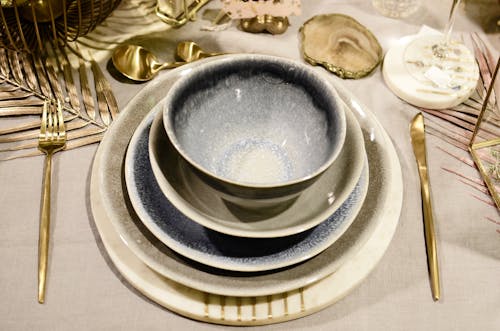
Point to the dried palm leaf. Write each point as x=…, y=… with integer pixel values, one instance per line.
x=487, y=200
x=465, y=160
x=481, y=188
x=493, y=221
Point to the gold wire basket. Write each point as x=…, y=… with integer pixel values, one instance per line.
x=27, y=24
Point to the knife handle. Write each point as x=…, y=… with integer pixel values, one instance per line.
x=430, y=238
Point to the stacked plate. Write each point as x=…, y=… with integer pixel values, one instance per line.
x=176, y=239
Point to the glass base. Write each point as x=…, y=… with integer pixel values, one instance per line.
x=396, y=8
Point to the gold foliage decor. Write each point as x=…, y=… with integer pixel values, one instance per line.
x=28, y=80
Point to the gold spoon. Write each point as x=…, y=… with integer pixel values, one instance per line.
x=138, y=63
x=417, y=133
x=190, y=51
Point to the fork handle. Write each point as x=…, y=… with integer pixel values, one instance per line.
x=43, y=239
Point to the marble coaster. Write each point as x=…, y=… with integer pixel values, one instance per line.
x=414, y=75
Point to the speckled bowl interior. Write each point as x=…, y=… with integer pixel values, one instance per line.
x=255, y=120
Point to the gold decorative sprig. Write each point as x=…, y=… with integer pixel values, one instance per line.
x=26, y=81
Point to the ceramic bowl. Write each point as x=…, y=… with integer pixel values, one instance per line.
x=259, y=129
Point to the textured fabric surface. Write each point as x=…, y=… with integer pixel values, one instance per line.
x=86, y=292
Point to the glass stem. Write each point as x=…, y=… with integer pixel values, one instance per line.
x=451, y=21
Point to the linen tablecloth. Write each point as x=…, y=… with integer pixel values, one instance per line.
x=86, y=292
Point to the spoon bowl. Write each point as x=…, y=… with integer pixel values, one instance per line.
x=189, y=51
x=138, y=63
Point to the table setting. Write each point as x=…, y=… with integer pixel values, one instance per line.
x=208, y=164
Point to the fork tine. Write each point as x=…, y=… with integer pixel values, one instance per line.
x=61, y=127
x=50, y=127
x=43, y=125
x=55, y=119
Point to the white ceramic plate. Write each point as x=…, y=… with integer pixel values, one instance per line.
x=216, y=249
x=109, y=191
x=204, y=205
x=374, y=226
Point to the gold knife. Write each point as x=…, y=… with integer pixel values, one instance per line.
x=417, y=133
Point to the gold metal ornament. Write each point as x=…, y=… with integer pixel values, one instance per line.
x=178, y=12
x=484, y=145
x=265, y=23
x=26, y=24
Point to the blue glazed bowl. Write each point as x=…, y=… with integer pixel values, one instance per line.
x=260, y=129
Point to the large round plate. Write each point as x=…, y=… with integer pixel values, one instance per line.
x=203, y=204
x=378, y=226
x=210, y=247
x=380, y=209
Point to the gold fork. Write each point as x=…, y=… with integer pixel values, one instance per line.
x=52, y=138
